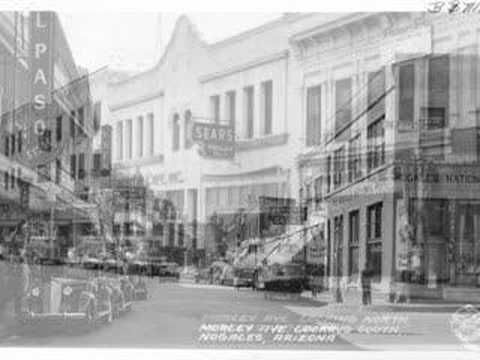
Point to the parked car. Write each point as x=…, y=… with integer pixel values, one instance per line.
x=112, y=264
x=139, y=286
x=217, y=270
x=62, y=300
x=138, y=266
x=168, y=269
x=91, y=262
x=288, y=277
x=153, y=265
x=243, y=276
x=189, y=274
x=45, y=255
x=72, y=258
x=227, y=277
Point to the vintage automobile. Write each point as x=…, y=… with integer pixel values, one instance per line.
x=115, y=265
x=62, y=300
x=152, y=265
x=138, y=266
x=123, y=294
x=44, y=254
x=243, y=276
x=139, y=286
x=189, y=274
x=227, y=276
x=92, y=262
x=72, y=258
x=288, y=278
x=168, y=269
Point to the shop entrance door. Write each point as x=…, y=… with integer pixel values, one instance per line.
x=436, y=221
x=467, y=265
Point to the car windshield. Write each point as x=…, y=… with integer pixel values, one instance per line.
x=292, y=270
x=286, y=270
x=243, y=272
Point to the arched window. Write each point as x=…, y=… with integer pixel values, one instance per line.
x=188, y=129
x=176, y=133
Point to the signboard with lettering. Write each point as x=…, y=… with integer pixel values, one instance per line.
x=41, y=62
x=280, y=211
x=215, y=140
x=315, y=247
x=106, y=146
x=450, y=181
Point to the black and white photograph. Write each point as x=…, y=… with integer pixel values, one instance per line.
x=268, y=181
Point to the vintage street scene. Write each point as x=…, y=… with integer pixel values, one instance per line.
x=305, y=181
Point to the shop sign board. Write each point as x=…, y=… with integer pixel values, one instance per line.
x=215, y=140
x=316, y=244
x=443, y=180
x=41, y=61
x=315, y=254
x=279, y=211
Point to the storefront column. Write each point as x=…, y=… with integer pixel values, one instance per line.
x=201, y=216
x=452, y=239
x=388, y=238
x=362, y=241
x=345, y=242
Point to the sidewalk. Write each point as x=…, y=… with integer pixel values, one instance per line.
x=8, y=324
x=383, y=305
x=388, y=327
x=204, y=286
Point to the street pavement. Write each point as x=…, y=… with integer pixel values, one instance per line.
x=170, y=318
x=174, y=315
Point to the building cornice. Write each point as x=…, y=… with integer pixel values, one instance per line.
x=156, y=159
x=263, y=142
x=355, y=32
x=136, y=101
x=328, y=26
x=243, y=67
x=272, y=170
x=248, y=33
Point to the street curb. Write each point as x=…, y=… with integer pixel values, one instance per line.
x=401, y=307
x=204, y=286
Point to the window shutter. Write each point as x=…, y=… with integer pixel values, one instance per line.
x=376, y=94
x=343, y=103
x=406, y=95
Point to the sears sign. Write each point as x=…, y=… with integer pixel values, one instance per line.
x=216, y=140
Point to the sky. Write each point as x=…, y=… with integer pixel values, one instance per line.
x=130, y=40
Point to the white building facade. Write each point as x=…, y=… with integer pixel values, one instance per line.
x=234, y=81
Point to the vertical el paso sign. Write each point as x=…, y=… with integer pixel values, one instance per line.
x=41, y=66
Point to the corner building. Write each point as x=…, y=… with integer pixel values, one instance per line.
x=390, y=109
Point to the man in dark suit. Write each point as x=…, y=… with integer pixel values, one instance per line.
x=366, y=280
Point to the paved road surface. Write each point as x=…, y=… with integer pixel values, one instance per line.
x=171, y=318
x=174, y=313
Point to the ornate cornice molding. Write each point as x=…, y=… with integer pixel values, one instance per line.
x=243, y=67
x=136, y=101
x=268, y=171
x=139, y=162
x=352, y=33
x=268, y=141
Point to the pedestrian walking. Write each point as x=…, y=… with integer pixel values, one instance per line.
x=366, y=280
x=5, y=292
x=21, y=279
